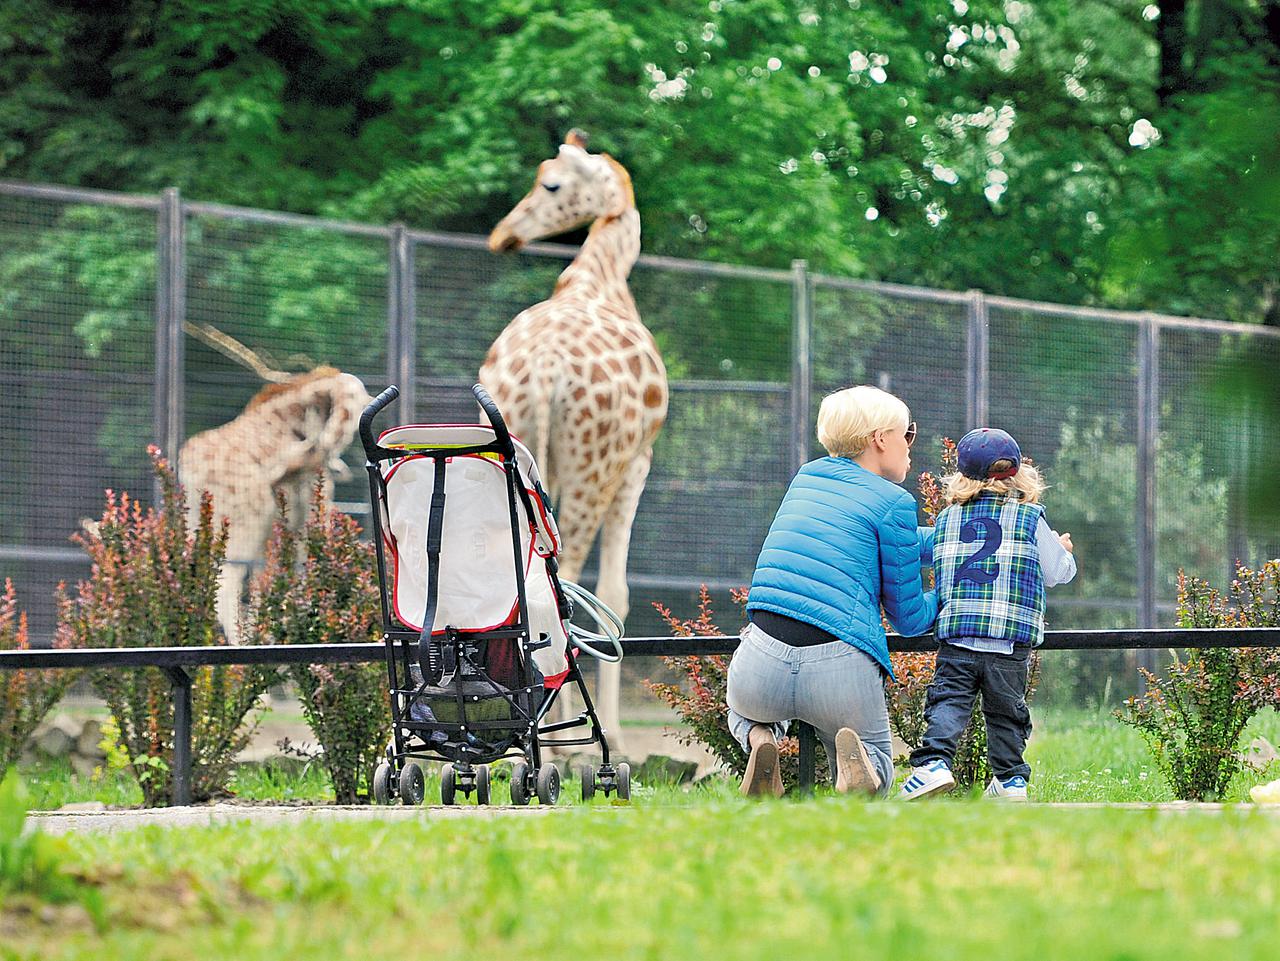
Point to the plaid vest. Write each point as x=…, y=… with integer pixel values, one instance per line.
x=988, y=573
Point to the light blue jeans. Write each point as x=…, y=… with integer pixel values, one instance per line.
x=829, y=686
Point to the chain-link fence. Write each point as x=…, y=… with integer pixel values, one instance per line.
x=1145, y=450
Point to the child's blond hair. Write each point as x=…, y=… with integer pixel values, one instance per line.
x=1027, y=484
x=848, y=418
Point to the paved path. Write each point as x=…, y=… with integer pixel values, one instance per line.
x=203, y=815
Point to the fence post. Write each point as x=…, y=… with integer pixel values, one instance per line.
x=801, y=368
x=181, y=682
x=978, y=358
x=401, y=320
x=171, y=308
x=1148, y=431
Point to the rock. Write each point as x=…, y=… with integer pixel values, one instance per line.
x=89, y=743
x=1260, y=752
x=53, y=741
x=660, y=769
x=83, y=766
x=83, y=806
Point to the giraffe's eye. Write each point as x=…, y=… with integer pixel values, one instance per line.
x=551, y=188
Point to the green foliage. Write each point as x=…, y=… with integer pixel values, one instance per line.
x=1194, y=717
x=154, y=585
x=32, y=864
x=25, y=695
x=320, y=587
x=1084, y=151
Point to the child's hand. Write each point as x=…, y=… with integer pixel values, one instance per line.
x=1065, y=540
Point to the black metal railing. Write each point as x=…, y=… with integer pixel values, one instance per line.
x=174, y=662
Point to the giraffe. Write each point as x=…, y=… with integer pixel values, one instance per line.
x=579, y=377
x=294, y=428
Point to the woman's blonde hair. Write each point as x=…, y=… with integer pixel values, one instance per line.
x=1027, y=484
x=848, y=418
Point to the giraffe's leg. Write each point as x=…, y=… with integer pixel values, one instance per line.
x=578, y=518
x=615, y=543
x=230, y=585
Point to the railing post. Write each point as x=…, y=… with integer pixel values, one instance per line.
x=808, y=738
x=978, y=361
x=401, y=319
x=170, y=311
x=801, y=368
x=181, y=682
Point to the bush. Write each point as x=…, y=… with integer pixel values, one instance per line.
x=701, y=704
x=153, y=584
x=1193, y=718
x=25, y=695
x=320, y=587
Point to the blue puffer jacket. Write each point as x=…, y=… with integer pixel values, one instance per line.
x=845, y=542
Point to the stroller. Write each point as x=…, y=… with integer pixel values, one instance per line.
x=479, y=630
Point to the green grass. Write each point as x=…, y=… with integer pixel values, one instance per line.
x=1075, y=756
x=827, y=878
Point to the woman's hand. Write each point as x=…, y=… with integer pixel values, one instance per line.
x=1065, y=540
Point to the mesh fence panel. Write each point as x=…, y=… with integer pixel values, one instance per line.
x=912, y=347
x=78, y=371
x=77, y=307
x=1066, y=388
x=1211, y=437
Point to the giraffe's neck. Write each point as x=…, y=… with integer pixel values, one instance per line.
x=606, y=258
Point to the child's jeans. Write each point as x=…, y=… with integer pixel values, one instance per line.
x=1002, y=679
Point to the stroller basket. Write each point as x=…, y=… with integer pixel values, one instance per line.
x=477, y=624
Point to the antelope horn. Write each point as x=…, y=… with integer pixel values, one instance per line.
x=228, y=346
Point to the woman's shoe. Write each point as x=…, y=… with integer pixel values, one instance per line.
x=763, y=776
x=855, y=774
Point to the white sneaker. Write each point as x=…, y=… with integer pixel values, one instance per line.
x=1010, y=789
x=928, y=779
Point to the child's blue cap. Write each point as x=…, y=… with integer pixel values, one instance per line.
x=981, y=448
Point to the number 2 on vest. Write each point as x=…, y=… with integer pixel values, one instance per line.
x=991, y=534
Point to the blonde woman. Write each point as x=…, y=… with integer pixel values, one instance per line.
x=995, y=555
x=844, y=543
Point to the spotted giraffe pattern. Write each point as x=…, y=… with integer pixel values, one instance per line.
x=578, y=376
x=287, y=434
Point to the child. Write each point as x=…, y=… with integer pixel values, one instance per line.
x=993, y=555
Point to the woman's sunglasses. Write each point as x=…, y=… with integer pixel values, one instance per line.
x=910, y=433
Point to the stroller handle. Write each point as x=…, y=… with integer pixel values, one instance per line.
x=372, y=411
x=495, y=416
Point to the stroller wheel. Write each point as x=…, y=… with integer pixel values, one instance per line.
x=624, y=781
x=382, y=784
x=482, y=784
x=588, y=782
x=413, y=784
x=548, y=784
x=520, y=783
x=448, y=784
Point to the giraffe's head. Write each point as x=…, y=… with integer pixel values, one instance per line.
x=572, y=188
x=322, y=410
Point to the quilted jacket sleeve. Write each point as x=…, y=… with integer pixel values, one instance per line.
x=926, y=545
x=911, y=610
